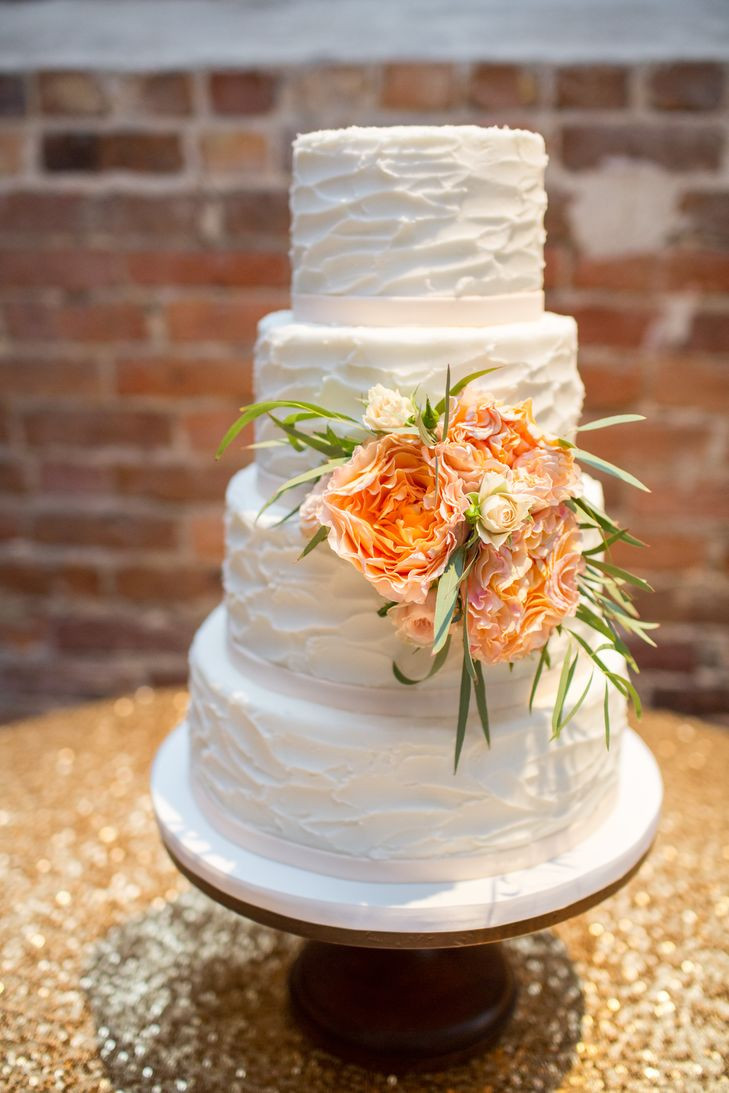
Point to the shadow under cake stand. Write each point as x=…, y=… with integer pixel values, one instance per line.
x=403, y=976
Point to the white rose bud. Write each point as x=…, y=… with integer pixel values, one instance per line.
x=386, y=409
x=502, y=510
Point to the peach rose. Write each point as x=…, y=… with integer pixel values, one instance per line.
x=503, y=507
x=549, y=472
x=520, y=592
x=386, y=409
x=385, y=519
x=414, y=621
x=310, y=511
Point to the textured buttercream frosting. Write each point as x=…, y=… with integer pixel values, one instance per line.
x=418, y=211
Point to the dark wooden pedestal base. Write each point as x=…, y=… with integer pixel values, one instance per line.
x=402, y=1009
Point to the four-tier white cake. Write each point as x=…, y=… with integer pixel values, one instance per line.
x=413, y=249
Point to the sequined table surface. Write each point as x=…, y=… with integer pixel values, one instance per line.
x=115, y=975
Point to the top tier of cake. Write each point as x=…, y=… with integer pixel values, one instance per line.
x=418, y=212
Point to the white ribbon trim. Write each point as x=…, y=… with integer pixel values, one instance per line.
x=473, y=311
x=403, y=870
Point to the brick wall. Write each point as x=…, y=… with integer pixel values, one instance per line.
x=143, y=224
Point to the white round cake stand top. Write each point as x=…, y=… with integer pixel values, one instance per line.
x=409, y=915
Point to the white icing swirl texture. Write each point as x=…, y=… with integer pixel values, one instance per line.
x=418, y=211
x=336, y=365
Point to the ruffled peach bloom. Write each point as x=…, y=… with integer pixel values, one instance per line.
x=386, y=409
x=548, y=472
x=414, y=622
x=310, y=511
x=520, y=592
x=385, y=519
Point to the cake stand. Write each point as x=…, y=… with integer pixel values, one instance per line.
x=404, y=976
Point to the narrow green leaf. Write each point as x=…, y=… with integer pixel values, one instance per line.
x=605, y=422
x=458, y=387
x=298, y=480
x=610, y=468
x=257, y=409
x=543, y=658
x=446, y=597
x=568, y=717
x=468, y=659
x=464, y=702
x=620, y=574
x=438, y=662
x=318, y=537
x=479, y=688
x=565, y=678
x=447, y=404
x=265, y=444
x=287, y=517
x=606, y=716
x=618, y=536
x=600, y=518
x=430, y=417
x=386, y=608
x=311, y=440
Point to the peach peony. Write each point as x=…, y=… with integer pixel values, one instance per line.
x=414, y=622
x=520, y=592
x=385, y=520
x=548, y=472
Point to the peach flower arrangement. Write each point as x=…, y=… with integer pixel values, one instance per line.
x=470, y=522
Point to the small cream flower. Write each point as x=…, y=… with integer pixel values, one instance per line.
x=502, y=509
x=386, y=409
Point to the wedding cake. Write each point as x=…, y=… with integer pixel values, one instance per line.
x=414, y=250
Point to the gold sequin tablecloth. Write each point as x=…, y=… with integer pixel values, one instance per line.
x=115, y=975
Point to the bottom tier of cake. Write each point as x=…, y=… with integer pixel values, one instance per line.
x=368, y=793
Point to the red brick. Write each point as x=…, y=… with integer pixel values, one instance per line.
x=557, y=267
x=667, y=656
x=690, y=381
x=168, y=94
x=650, y=448
x=12, y=476
x=244, y=92
x=32, y=320
x=665, y=551
x=707, y=500
x=168, y=584
x=706, y=271
x=23, y=376
x=687, y=86
x=175, y=482
x=87, y=152
x=12, y=153
x=237, y=151
x=556, y=218
x=35, y=577
x=592, y=87
x=234, y=319
x=317, y=89
x=13, y=95
x=612, y=326
x=707, y=213
x=42, y=214
x=99, y=427
x=113, y=632
x=11, y=523
x=498, y=86
x=419, y=86
x=174, y=378
x=690, y=696
x=22, y=632
x=709, y=332
x=629, y=273
x=71, y=93
x=204, y=429
x=610, y=386
x=61, y=476
x=72, y=269
x=113, y=529
x=243, y=269
x=255, y=213
x=673, y=146
x=206, y=533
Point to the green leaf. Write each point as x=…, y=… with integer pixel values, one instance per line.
x=543, y=659
x=265, y=444
x=466, y=644
x=258, y=409
x=446, y=597
x=606, y=716
x=458, y=387
x=438, y=662
x=566, y=675
x=298, y=480
x=621, y=535
x=318, y=537
x=447, y=404
x=609, y=468
x=600, y=518
x=386, y=608
x=464, y=701
x=430, y=417
x=620, y=574
x=568, y=717
x=479, y=688
x=287, y=517
x=605, y=422
x=584, y=614
x=310, y=440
